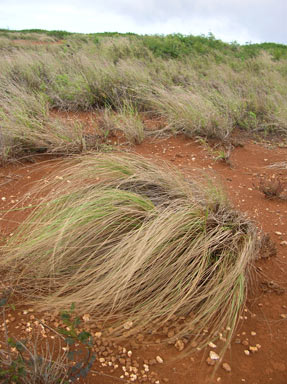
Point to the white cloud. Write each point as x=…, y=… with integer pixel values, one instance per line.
x=241, y=20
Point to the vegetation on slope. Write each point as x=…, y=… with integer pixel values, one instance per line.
x=197, y=85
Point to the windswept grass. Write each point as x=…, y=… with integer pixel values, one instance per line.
x=189, y=113
x=132, y=243
x=127, y=121
x=199, y=85
x=26, y=126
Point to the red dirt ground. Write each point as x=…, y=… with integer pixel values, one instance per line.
x=266, y=305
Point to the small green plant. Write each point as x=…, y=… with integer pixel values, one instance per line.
x=219, y=154
x=84, y=357
x=28, y=362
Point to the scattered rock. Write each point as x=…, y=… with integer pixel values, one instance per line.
x=272, y=287
x=86, y=317
x=179, y=345
x=213, y=355
x=212, y=345
x=128, y=325
x=247, y=353
x=226, y=367
x=159, y=359
x=209, y=361
x=170, y=333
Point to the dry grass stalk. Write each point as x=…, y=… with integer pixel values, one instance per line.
x=127, y=241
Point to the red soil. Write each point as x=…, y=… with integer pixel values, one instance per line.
x=266, y=304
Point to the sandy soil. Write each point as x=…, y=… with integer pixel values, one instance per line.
x=264, y=321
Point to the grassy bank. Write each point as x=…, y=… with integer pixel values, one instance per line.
x=197, y=85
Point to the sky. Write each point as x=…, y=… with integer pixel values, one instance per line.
x=229, y=20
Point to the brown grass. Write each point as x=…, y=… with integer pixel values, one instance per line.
x=132, y=243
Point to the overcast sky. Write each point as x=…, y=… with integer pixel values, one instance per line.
x=229, y=20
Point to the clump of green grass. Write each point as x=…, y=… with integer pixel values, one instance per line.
x=132, y=243
x=127, y=121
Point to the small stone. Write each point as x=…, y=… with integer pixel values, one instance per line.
x=86, y=317
x=247, y=353
x=159, y=359
x=245, y=342
x=128, y=325
x=253, y=349
x=278, y=233
x=226, y=367
x=179, y=345
x=209, y=361
x=253, y=333
x=213, y=355
x=283, y=316
x=146, y=367
x=212, y=345
x=283, y=242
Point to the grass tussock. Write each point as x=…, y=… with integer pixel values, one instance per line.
x=127, y=121
x=189, y=113
x=133, y=243
x=26, y=126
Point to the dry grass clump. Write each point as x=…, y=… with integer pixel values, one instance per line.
x=133, y=244
x=127, y=121
x=26, y=126
x=190, y=113
x=274, y=188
